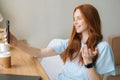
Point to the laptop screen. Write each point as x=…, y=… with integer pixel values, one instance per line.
x=19, y=77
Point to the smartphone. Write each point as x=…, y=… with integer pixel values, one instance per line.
x=8, y=30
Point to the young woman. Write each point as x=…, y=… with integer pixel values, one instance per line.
x=85, y=55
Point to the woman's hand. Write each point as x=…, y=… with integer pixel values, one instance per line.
x=87, y=54
x=17, y=43
x=13, y=40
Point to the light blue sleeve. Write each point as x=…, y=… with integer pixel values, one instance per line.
x=59, y=45
x=105, y=61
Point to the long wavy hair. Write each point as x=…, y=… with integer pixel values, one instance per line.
x=92, y=19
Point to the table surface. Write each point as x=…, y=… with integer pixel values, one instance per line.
x=24, y=64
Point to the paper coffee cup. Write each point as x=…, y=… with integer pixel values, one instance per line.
x=5, y=59
x=4, y=47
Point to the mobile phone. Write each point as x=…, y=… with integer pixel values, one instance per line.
x=8, y=30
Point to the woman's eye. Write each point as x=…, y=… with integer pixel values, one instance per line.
x=79, y=18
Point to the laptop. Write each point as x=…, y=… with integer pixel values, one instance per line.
x=19, y=77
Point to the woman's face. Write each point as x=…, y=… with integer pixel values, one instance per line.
x=79, y=22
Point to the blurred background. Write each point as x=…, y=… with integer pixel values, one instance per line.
x=40, y=21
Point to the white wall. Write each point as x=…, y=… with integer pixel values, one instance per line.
x=39, y=21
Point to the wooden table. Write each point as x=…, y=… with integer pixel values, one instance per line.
x=24, y=64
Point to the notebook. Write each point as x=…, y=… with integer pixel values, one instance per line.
x=19, y=77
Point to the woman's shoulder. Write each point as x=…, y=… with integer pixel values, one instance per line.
x=59, y=45
x=58, y=42
x=103, y=44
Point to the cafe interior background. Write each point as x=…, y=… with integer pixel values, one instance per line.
x=40, y=21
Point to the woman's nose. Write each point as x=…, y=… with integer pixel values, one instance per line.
x=76, y=22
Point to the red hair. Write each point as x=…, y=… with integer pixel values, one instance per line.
x=92, y=19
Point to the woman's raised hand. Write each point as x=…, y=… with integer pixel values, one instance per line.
x=87, y=54
x=13, y=40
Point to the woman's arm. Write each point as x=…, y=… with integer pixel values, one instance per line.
x=24, y=46
x=87, y=55
x=93, y=75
